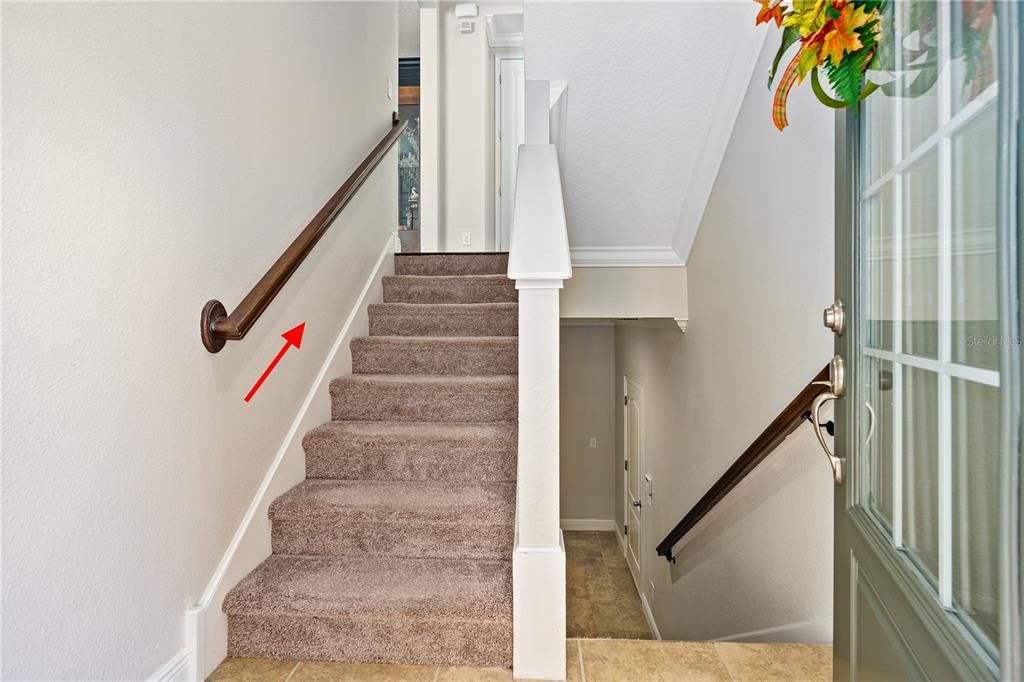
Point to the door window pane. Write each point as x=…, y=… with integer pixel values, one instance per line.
x=973, y=50
x=976, y=505
x=921, y=469
x=919, y=41
x=921, y=258
x=879, y=246
x=975, y=323
x=877, y=434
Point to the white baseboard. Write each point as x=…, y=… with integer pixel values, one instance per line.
x=205, y=623
x=817, y=631
x=588, y=524
x=176, y=669
x=649, y=615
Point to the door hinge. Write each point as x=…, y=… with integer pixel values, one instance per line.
x=625, y=529
x=625, y=400
x=625, y=465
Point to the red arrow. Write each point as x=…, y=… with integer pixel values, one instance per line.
x=292, y=337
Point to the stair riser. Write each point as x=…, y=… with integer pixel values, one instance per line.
x=440, y=360
x=451, y=264
x=333, y=537
x=401, y=640
x=441, y=462
x=449, y=291
x=411, y=402
x=384, y=322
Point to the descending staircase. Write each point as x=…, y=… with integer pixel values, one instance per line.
x=397, y=547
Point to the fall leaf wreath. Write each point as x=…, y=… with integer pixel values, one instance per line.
x=844, y=39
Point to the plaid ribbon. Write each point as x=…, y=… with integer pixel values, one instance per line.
x=789, y=79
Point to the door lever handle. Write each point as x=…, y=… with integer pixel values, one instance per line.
x=637, y=503
x=836, y=462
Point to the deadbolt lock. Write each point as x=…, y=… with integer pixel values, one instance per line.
x=834, y=318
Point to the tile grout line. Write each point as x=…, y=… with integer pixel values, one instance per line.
x=579, y=652
x=725, y=663
x=292, y=671
x=437, y=673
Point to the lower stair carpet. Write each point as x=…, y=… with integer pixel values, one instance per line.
x=397, y=547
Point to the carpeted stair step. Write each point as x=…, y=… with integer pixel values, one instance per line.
x=460, y=319
x=451, y=264
x=424, y=519
x=436, y=355
x=374, y=610
x=412, y=451
x=448, y=289
x=418, y=398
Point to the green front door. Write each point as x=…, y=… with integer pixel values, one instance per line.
x=927, y=581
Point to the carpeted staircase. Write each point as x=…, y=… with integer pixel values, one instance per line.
x=397, y=547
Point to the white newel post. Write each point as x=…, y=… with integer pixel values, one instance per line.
x=539, y=263
x=538, y=565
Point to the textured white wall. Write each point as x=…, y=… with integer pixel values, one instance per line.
x=647, y=82
x=759, y=274
x=408, y=28
x=587, y=375
x=155, y=156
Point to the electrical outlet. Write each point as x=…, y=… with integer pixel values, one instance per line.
x=391, y=90
x=467, y=238
x=593, y=442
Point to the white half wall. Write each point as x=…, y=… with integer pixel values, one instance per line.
x=157, y=155
x=759, y=274
x=626, y=292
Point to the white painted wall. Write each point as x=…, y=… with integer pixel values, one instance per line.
x=408, y=28
x=654, y=88
x=156, y=156
x=467, y=128
x=759, y=274
x=623, y=292
x=587, y=374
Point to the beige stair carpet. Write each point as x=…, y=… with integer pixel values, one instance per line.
x=397, y=547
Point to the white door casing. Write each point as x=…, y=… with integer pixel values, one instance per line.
x=509, y=133
x=633, y=457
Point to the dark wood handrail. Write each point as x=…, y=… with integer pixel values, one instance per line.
x=786, y=423
x=217, y=327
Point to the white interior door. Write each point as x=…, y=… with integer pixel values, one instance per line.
x=633, y=456
x=511, y=131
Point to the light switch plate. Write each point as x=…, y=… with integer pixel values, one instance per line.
x=593, y=442
x=467, y=238
x=391, y=90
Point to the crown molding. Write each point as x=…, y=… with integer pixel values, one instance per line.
x=624, y=256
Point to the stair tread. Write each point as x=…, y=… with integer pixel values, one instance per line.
x=446, y=308
x=502, y=280
x=376, y=588
x=393, y=339
x=397, y=501
x=379, y=430
x=492, y=381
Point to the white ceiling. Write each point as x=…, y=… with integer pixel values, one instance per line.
x=653, y=92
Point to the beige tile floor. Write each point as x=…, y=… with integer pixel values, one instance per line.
x=588, y=660
x=601, y=597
